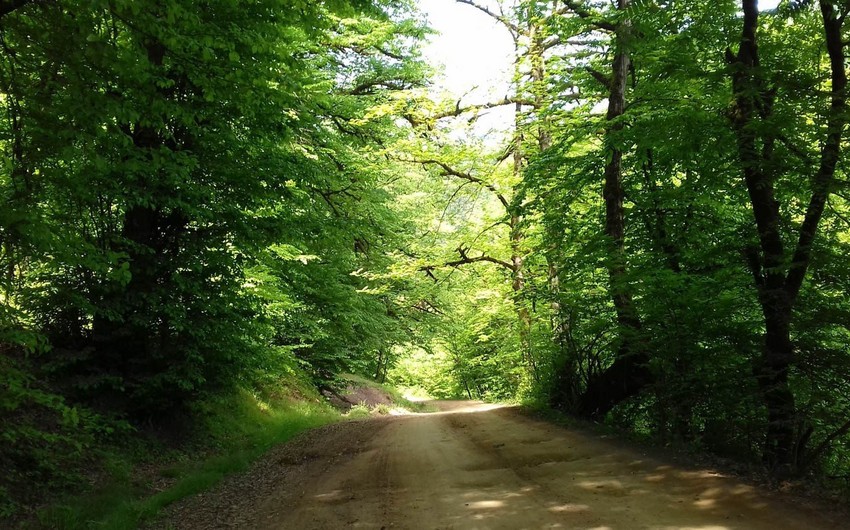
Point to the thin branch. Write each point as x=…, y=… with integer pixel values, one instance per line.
x=824, y=445
x=466, y=259
x=555, y=40
x=837, y=120
x=451, y=200
x=801, y=154
x=836, y=213
x=459, y=110
x=368, y=87
x=595, y=19
x=603, y=79
x=509, y=151
x=452, y=172
x=426, y=306
x=501, y=18
x=481, y=258
x=391, y=55
x=507, y=100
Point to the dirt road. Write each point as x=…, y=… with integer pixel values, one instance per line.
x=476, y=466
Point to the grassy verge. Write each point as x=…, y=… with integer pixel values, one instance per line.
x=237, y=430
x=138, y=481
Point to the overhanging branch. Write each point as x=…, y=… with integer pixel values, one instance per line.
x=450, y=171
x=498, y=17
x=459, y=110
x=595, y=19
x=466, y=259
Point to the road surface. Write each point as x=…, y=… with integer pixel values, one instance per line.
x=478, y=466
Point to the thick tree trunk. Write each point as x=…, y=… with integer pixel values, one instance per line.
x=134, y=341
x=629, y=374
x=777, y=289
x=772, y=376
x=753, y=102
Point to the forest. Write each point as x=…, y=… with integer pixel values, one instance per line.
x=208, y=198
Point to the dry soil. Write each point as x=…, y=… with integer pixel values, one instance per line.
x=476, y=466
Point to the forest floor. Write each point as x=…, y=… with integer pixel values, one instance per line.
x=475, y=466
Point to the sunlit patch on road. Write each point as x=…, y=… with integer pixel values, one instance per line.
x=467, y=467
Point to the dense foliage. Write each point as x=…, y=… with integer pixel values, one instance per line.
x=203, y=196
x=189, y=191
x=662, y=242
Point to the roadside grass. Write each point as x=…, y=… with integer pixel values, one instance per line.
x=140, y=480
x=236, y=430
x=359, y=412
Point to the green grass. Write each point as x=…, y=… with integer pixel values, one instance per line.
x=238, y=428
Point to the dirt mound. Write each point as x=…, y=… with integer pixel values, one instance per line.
x=358, y=395
x=369, y=396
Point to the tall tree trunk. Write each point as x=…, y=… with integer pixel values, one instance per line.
x=778, y=290
x=544, y=142
x=753, y=102
x=516, y=236
x=518, y=286
x=132, y=343
x=629, y=373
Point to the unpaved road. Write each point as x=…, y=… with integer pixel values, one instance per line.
x=476, y=466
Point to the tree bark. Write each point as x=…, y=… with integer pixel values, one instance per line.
x=778, y=289
x=517, y=235
x=629, y=373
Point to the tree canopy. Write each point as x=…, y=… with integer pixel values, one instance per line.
x=199, y=196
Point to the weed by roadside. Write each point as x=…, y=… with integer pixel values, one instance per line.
x=138, y=482
x=236, y=430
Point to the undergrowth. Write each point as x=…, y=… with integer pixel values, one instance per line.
x=233, y=431
x=138, y=479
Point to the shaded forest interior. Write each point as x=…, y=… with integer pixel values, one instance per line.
x=213, y=199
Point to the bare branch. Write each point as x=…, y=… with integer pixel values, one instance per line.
x=458, y=110
x=501, y=18
x=452, y=172
x=466, y=259
x=830, y=154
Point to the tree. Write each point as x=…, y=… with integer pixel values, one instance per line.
x=193, y=201
x=777, y=273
